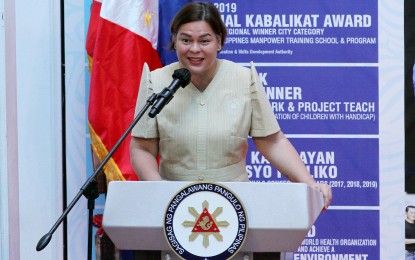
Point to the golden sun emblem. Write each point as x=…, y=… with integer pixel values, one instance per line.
x=205, y=224
x=147, y=18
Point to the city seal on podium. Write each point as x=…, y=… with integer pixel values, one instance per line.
x=205, y=221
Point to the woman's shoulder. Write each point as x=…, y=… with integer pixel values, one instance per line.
x=166, y=71
x=162, y=76
x=239, y=69
x=244, y=73
x=230, y=65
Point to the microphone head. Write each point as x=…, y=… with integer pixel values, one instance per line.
x=183, y=75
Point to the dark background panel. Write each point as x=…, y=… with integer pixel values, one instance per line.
x=409, y=22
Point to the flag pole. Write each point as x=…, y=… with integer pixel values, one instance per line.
x=63, y=115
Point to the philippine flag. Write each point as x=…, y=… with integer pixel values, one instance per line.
x=122, y=36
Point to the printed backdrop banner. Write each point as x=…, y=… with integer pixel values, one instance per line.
x=318, y=63
x=323, y=100
x=349, y=165
x=301, y=31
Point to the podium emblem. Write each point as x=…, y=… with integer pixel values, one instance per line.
x=205, y=221
x=205, y=224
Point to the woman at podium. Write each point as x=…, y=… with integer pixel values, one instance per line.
x=202, y=133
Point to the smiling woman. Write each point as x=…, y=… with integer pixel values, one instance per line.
x=196, y=46
x=202, y=134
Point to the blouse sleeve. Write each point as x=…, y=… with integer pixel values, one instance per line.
x=146, y=126
x=263, y=122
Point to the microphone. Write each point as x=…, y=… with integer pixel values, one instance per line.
x=181, y=77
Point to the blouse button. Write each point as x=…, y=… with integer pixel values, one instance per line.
x=201, y=177
x=202, y=103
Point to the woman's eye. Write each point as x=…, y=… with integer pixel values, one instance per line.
x=185, y=41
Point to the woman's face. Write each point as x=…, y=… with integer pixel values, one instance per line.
x=410, y=214
x=197, y=46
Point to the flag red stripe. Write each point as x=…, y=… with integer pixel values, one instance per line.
x=118, y=58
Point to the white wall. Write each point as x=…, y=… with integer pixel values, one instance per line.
x=76, y=128
x=31, y=196
x=4, y=223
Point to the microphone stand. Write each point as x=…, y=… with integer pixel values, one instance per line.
x=89, y=189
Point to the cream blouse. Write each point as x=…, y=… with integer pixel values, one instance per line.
x=203, y=136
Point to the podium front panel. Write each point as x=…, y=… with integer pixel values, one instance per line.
x=279, y=214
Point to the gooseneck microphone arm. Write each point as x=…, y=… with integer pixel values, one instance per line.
x=44, y=241
x=181, y=78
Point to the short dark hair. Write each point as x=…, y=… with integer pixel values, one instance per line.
x=409, y=207
x=198, y=11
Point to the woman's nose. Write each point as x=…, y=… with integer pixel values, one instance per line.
x=195, y=47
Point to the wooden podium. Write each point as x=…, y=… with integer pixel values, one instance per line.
x=279, y=214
